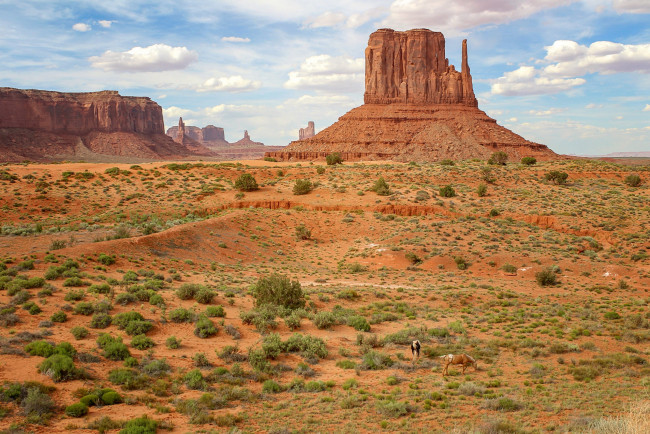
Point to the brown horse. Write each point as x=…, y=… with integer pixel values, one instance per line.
x=457, y=359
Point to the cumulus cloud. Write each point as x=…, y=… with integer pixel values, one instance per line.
x=154, y=58
x=526, y=80
x=235, y=39
x=632, y=6
x=458, y=16
x=235, y=83
x=548, y=112
x=646, y=108
x=105, y=23
x=81, y=27
x=568, y=62
x=327, y=73
x=603, y=57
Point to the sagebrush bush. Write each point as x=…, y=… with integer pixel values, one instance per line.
x=528, y=161
x=173, y=343
x=633, y=180
x=59, y=368
x=246, y=182
x=381, y=187
x=78, y=409
x=79, y=332
x=333, y=159
x=359, y=323
x=205, y=328
x=141, y=425
x=546, y=277
x=181, y=315
x=557, y=177
x=481, y=190
x=59, y=316
x=278, y=290
x=302, y=186
x=215, y=311
x=499, y=158
x=142, y=342
x=447, y=191
x=302, y=232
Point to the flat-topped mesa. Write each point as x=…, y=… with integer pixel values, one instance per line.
x=308, y=132
x=411, y=68
x=79, y=113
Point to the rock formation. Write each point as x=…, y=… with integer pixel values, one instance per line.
x=308, y=132
x=417, y=108
x=42, y=125
x=212, y=139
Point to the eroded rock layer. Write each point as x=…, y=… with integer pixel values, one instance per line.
x=42, y=125
x=407, y=132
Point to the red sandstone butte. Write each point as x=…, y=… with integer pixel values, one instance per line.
x=42, y=125
x=417, y=108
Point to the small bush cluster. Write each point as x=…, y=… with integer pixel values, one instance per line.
x=278, y=290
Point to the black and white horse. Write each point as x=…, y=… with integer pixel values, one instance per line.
x=415, y=350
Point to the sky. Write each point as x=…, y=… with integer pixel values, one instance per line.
x=573, y=75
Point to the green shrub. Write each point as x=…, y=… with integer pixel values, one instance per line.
x=499, y=158
x=173, y=343
x=612, y=315
x=39, y=348
x=101, y=288
x=302, y=232
x=59, y=368
x=374, y=360
x=359, y=323
x=181, y=315
x=125, y=298
x=84, y=308
x=381, y=187
x=156, y=300
x=310, y=347
x=106, y=259
x=205, y=328
x=138, y=327
x=59, y=316
x=142, y=342
x=272, y=346
x=278, y=290
x=528, y=161
x=447, y=191
x=333, y=159
x=557, y=177
x=461, y=263
x=114, y=348
x=100, y=321
x=122, y=320
x=204, y=295
x=215, y=312
x=65, y=348
x=546, y=277
x=90, y=400
x=74, y=282
x=78, y=409
x=633, y=180
x=257, y=360
x=79, y=332
x=315, y=386
x=246, y=182
x=509, y=268
x=394, y=408
x=346, y=364
x=292, y=321
x=447, y=162
x=111, y=397
x=194, y=380
x=75, y=295
x=302, y=186
x=271, y=386
x=324, y=319
x=141, y=425
x=187, y=291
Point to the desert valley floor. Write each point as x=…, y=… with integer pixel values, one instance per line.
x=143, y=276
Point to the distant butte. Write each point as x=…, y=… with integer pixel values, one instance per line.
x=417, y=108
x=42, y=125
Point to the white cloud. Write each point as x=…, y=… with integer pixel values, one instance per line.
x=235, y=83
x=81, y=27
x=603, y=57
x=548, y=112
x=571, y=61
x=632, y=6
x=526, y=80
x=593, y=106
x=235, y=39
x=646, y=108
x=154, y=58
x=324, y=72
x=458, y=16
x=327, y=19
x=105, y=23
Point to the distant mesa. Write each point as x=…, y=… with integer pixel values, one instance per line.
x=308, y=132
x=417, y=108
x=42, y=125
x=212, y=139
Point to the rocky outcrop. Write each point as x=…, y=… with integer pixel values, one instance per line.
x=42, y=126
x=308, y=132
x=417, y=108
x=208, y=136
x=411, y=67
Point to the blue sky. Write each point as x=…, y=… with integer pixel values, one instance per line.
x=574, y=75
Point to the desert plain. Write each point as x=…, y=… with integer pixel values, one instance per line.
x=140, y=284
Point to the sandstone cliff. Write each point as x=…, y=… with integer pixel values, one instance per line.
x=417, y=108
x=43, y=125
x=308, y=132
